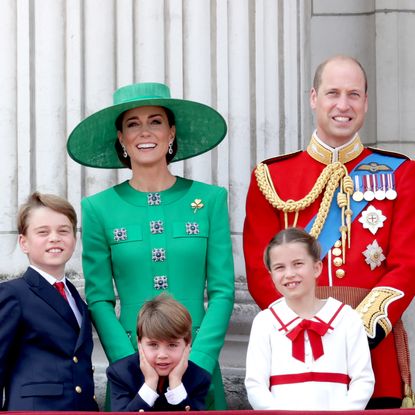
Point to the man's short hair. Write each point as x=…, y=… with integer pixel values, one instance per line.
x=320, y=68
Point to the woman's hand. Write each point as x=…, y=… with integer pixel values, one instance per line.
x=151, y=377
x=175, y=376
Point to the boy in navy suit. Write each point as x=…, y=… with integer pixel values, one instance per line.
x=160, y=376
x=45, y=331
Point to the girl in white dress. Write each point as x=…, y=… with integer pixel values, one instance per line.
x=305, y=353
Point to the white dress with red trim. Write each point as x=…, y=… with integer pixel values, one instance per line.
x=331, y=369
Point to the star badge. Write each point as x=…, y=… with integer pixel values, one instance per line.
x=374, y=255
x=372, y=219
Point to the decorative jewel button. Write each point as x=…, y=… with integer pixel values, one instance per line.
x=156, y=226
x=160, y=282
x=158, y=254
x=192, y=228
x=153, y=199
x=120, y=234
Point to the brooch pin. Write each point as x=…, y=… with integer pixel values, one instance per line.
x=197, y=204
x=374, y=255
x=120, y=234
x=372, y=219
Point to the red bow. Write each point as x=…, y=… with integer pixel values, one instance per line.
x=315, y=330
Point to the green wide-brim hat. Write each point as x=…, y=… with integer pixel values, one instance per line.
x=199, y=127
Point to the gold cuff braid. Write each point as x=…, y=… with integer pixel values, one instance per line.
x=373, y=309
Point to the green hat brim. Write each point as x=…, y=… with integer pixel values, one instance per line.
x=199, y=128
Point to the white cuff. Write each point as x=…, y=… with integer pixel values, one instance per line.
x=176, y=395
x=148, y=395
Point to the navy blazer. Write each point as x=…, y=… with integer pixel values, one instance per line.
x=126, y=378
x=45, y=357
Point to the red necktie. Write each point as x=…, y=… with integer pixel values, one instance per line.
x=60, y=286
x=315, y=330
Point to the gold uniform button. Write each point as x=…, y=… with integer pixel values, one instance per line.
x=141, y=410
x=78, y=389
x=336, y=251
x=338, y=244
x=338, y=262
x=187, y=408
x=75, y=359
x=340, y=273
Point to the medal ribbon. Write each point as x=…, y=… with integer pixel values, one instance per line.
x=314, y=330
x=330, y=232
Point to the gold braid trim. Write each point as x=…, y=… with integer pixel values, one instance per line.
x=328, y=181
x=374, y=309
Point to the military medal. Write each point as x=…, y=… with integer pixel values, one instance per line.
x=357, y=194
x=380, y=187
x=391, y=192
x=368, y=195
x=372, y=219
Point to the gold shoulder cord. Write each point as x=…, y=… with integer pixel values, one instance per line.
x=333, y=176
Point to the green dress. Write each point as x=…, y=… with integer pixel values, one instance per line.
x=177, y=241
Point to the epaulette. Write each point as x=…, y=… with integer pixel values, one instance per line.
x=389, y=153
x=281, y=157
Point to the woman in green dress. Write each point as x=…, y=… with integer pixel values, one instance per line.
x=155, y=232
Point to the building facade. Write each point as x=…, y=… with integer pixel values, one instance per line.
x=253, y=60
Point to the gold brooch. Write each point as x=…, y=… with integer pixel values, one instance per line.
x=197, y=204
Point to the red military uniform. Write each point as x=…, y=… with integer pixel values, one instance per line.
x=379, y=265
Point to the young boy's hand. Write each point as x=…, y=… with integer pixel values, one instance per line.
x=175, y=376
x=151, y=377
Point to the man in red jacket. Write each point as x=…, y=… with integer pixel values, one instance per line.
x=360, y=204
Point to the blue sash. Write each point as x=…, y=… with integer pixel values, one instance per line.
x=330, y=232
